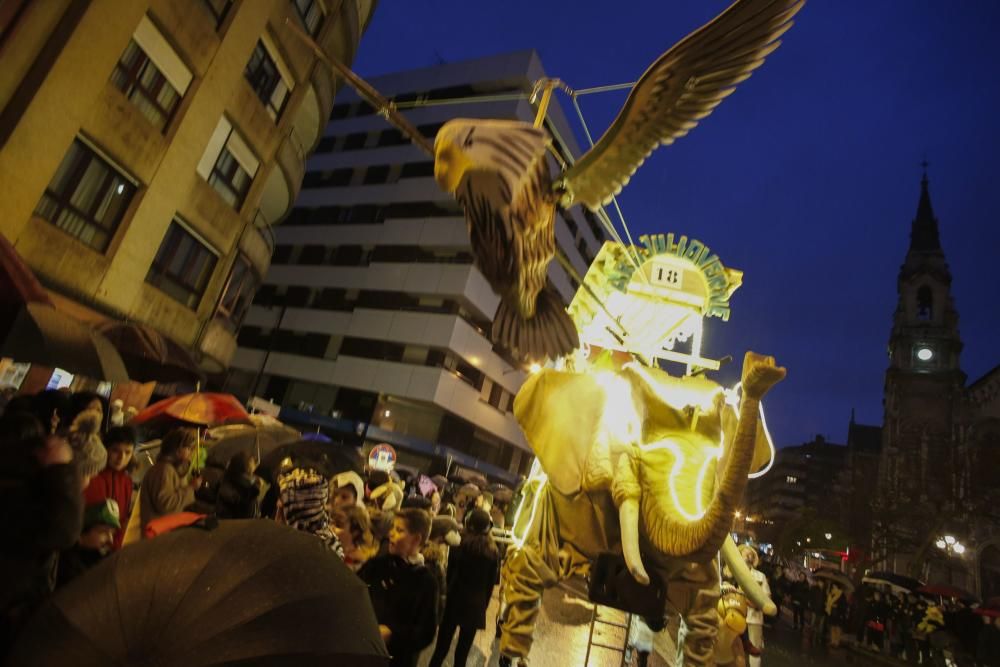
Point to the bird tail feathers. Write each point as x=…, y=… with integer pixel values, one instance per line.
x=550, y=333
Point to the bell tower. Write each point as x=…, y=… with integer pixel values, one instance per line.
x=924, y=382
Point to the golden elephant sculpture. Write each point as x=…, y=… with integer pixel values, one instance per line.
x=644, y=464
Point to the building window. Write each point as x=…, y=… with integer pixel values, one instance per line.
x=791, y=480
x=240, y=289
x=376, y=175
x=310, y=14
x=417, y=169
x=228, y=164
x=355, y=141
x=219, y=9
x=925, y=304
x=267, y=81
x=183, y=266
x=147, y=88
x=87, y=197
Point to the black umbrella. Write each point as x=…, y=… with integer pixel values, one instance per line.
x=258, y=440
x=326, y=458
x=245, y=593
x=891, y=578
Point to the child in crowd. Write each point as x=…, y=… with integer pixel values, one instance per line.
x=114, y=481
x=403, y=591
x=346, y=490
x=354, y=529
x=239, y=489
x=101, y=523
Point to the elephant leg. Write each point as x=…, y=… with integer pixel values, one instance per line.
x=694, y=593
x=525, y=575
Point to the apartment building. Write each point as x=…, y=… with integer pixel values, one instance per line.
x=372, y=316
x=147, y=146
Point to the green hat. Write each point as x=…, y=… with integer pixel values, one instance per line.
x=104, y=512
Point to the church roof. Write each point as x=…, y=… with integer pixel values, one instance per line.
x=924, y=233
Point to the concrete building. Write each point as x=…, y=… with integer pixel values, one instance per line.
x=805, y=482
x=147, y=146
x=372, y=311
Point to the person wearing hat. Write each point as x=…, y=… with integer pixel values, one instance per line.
x=755, y=617
x=347, y=489
x=88, y=450
x=303, y=494
x=100, y=523
x=473, y=568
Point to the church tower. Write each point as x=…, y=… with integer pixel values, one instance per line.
x=924, y=382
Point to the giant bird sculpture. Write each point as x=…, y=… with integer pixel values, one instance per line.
x=498, y=170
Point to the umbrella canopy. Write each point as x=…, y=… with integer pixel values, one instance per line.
x=501, y=493
x=40, y=334
x=892, y=579
x=201, y=409
x=244, y=593
x=259, y=440
x=836, y=577
x=150, y=356
x=326, y=458
x=948, y=591
x=471, y=477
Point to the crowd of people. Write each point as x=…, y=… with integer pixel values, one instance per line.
x=905, y=625
x=425, y=550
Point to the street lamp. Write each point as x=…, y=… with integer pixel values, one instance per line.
x=828, y=536
x=951, y=545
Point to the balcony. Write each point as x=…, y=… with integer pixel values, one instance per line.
x=283, y=181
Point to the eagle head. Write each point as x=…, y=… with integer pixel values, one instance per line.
x=506, y=146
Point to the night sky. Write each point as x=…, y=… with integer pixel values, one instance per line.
x=806, y=178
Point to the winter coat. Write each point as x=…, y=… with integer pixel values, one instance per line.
x=237, y=498
x=471, y=578
x=41, y=511
x=404, y=596
x=112, y=484
x=164, y=491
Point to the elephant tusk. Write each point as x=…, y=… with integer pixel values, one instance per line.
x=628, y=517
x=741, y=573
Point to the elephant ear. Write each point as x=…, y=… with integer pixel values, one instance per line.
x=763, y=448
x=560, y=414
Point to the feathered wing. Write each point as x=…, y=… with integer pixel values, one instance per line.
x=683, y=86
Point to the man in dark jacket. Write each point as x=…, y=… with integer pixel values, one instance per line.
x=403, y=591
x=41, y=510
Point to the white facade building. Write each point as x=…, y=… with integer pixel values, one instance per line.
x=372, y=310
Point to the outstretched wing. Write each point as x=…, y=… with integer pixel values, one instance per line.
x=683, y=86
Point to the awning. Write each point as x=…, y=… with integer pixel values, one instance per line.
x=150, y=356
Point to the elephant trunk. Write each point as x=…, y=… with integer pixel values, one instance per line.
x=741, y=573
x=667, y=530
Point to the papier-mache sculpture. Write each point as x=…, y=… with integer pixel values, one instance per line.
x=632, y=460
x=499, y=170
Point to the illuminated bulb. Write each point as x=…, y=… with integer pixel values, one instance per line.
x=959, y=548
x=828, y=536
x=809, y=539
x=474, y=361
x=925, y=354
x=949, y=540
x=940, y=544
x=535, y=367
x=387, y=413
x=738, y=514
x=121, y=188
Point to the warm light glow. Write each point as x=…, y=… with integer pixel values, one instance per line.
x=535, y=367
x=535, y=473
x=809, y=539
x=475, y=361
x=959, y=548
x=738, y=514
x=387, y=413
x=948, y=539
x=940, y=544
x=828, y=536
x=925, y=354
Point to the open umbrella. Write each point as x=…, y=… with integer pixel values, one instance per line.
x=150, y=356
x=243, y=593
x=892, y=579
x=948, y=591
x=501, y=493
x=259, y=440
x=198, y=409
x=835, y=577
x=326, y=458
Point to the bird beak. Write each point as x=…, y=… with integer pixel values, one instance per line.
x=450, y=165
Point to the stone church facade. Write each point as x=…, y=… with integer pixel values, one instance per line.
x=939, y=468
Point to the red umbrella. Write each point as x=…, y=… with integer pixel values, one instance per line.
x=947, y=591
x=201, y=409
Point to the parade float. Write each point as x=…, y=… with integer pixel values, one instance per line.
x=638, y=472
